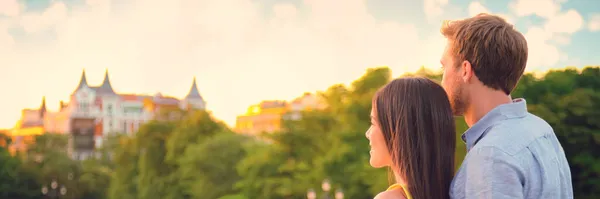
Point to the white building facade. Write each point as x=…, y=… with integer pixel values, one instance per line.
x=96, y=111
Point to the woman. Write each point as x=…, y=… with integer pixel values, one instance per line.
x=412, y=132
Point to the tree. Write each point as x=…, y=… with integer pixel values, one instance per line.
x=17, y=182
x=123, y=182
x=153, y=172
x=155, y=162
x=208, y=169
x=323, y=144
x=569, y=101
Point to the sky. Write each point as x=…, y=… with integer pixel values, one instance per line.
x=245, y=51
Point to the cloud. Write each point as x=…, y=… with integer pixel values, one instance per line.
x=541, y=53
x=594, y=24
x=542, y=8
x=544, y=40
x=7, y=42
x=565, y=22
x=36, y=22
x=557, y=21
x=10, y=8
x=239, y=56
x=434, y=8
x=475, y=7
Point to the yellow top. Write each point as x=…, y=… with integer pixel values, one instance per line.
x=400, y=186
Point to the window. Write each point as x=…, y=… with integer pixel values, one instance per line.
x=109, y=109
x=84, y=107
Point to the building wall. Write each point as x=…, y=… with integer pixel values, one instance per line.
x=57, y=122
x=192, y=104
x=110, y=114
x=102, y=112
x=264, y=117
x=268, y=116
x=132, y=116
x=30, y=116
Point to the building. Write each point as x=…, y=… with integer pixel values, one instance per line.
x=306, y=102
x=263, y=117
x=27, y=127
x=93, y=112
x=3, y=134
x=268, y=116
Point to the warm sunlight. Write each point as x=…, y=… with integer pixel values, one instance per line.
x=254, y=51
x=259, y=99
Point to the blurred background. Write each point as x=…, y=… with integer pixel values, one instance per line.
x=252, y=99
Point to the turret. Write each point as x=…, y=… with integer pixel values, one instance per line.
x=106, y=88
x=82, y=82
x=43, y=108
x=193, y=94
x=61, y=105
x=193, y=99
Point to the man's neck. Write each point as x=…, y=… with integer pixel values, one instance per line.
x=481, y=104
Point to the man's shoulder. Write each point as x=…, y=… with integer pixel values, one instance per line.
x=514, y=135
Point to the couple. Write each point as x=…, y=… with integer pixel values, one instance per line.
x=511, y=153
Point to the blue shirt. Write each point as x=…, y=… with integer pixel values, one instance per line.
x=512, y=154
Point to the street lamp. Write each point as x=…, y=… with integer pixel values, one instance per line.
x=63, y=190
x=339, y=194
x=54, y=192
x=311, y=194
x=326, y=187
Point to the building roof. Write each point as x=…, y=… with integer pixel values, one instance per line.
x=82, y=82
x=43, y=107
x=105, y=88
x=273, y=104
x=134, y=97
x=166, y=100
x=194, y=93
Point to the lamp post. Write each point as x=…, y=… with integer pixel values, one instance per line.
x=54, y=191
x=311, y=194
x=326, y=187
x=339, y=194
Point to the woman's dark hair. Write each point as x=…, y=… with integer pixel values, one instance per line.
x=416, y=119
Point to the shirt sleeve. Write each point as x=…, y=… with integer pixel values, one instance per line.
x=493, y=174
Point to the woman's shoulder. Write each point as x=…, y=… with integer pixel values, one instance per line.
x=391, y=194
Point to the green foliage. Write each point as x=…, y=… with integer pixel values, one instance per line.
x=124, y=179
x=16, y=181
x=177, y=159
x=194, y=156
x=209, y=165
x=569, y=100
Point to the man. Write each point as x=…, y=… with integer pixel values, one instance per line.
x=511, y=153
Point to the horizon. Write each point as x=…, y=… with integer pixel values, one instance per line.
x=537, y=74
x=258, y=49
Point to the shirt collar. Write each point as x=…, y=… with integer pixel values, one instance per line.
x=517, y=108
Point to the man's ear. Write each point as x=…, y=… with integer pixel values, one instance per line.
x=467, y=71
